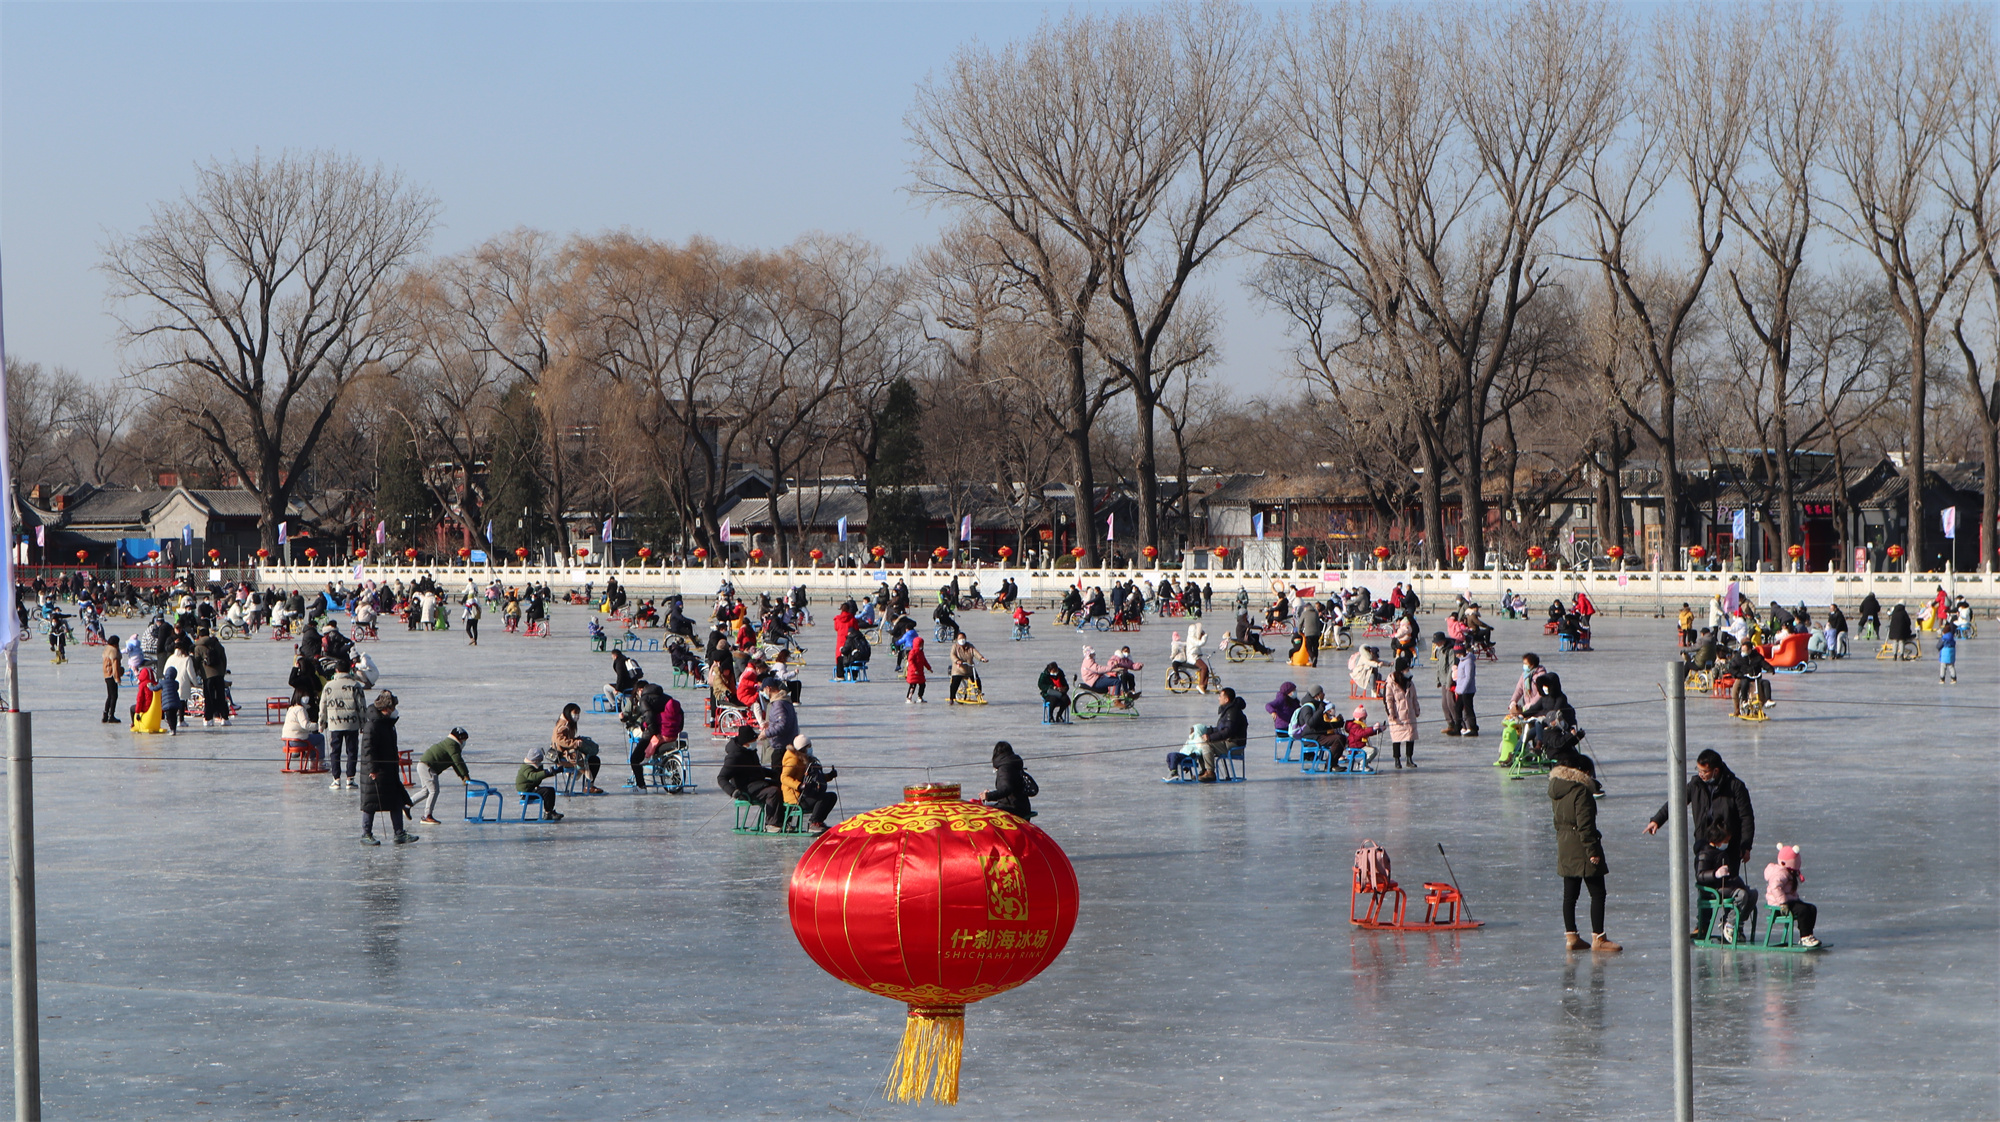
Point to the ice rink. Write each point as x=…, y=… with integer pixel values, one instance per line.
x=215, y=943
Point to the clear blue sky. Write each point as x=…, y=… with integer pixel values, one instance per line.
x=752, y=123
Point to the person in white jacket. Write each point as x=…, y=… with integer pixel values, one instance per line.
x=300, y=728
x=1197, y=638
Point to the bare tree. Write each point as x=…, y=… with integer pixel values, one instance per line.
x=1113, y=151
x=268, y=284
x=44, y=407
x=1689, y=124
x=1769, y=199
x=1973, y=181
x=1903, y=83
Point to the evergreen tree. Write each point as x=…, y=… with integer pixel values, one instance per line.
x=514, y=480
x=401, y=499
x=895, y=509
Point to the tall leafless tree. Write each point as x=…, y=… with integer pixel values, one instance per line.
x=252, y=300
x=1902, y=87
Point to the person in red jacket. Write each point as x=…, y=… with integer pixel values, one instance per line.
x=913, y=671
x=750, y=683
x=843, y=622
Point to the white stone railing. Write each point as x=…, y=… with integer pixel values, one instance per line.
x=1628, y=589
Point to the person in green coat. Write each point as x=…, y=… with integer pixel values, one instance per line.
x=529, y=779
x=446, y=755
x=1579, y=847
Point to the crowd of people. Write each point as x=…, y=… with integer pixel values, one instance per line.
x=747, y=667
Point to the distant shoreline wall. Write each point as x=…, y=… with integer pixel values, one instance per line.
x=1619, y=592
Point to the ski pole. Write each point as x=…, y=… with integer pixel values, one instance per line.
x=1454, y=883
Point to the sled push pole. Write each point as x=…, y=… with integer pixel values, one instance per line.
x=1677, y=890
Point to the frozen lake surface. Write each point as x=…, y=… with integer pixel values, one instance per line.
x=215, y=944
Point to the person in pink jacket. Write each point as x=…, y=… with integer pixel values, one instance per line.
x=913, y=671
x=1781, y=890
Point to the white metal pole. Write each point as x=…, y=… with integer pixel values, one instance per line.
x=1677, y=878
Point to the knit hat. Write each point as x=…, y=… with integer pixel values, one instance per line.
x=1361, y=714
x=1788, y=856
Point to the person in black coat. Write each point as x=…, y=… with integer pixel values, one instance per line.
x=1010, y=782
x=1716, y=797
x=381, y=780
x=1870, y=614
x=1230, y=730
x=743, y=776
x=1899, y=625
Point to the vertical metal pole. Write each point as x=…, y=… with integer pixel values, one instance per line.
x=21, y=827
x=1677, y=878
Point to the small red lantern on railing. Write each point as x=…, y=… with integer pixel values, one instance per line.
x=700, y=554
x=1616, y=552
x=1895, y=553
x=311, y=553
x=645, y=553
x=1381, y=553
x=756, y=557
x=1149, y=552
x=1460, y=551
x=361, y=554
x=1005, y=552
x=1076, y=551
x=215, y=555
x=583, y=551
x=1697, y=552
x=410, y=553
x=1536, y=552
x=82, y=555
x=1300, y=552
x=1222, y=552
x=464, y=553
x=816, y=555
x=877, y=552
x=153, y=555
x=1795, y=551
x=263, y=555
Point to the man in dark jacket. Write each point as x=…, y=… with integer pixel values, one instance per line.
x=211, y=662
x=1010, y=782
x=1230, y=730
x=1310, y=629
x=743, y=777
x=381, y=783
x=1716, y=796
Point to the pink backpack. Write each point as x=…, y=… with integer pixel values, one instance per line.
x=1371, y=866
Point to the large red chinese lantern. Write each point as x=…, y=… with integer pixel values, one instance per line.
x=82, y=555
x=1616, y=552
x=464, y=552
x=1895, y=553
x=1795, y=551
x=757, y=556
x=700, y=554
x=311, y=553
x=263, y=555
x=410, y=553
x=1299, y=552
x=937, y=903
x=645, y=553
x=940, y=553
x=877, y=551
x=1076, y=551
x=521, y=551
x=1381, y=553
x=361, y=555
x=583, y=551
x=1222, y=552
x=215, y=555
x=1697, y=552
x=817, y=555
x=1460, y=551
x=1149, y=552
x=1005, y=552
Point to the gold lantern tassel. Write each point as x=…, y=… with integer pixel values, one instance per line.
x=927, y=1063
